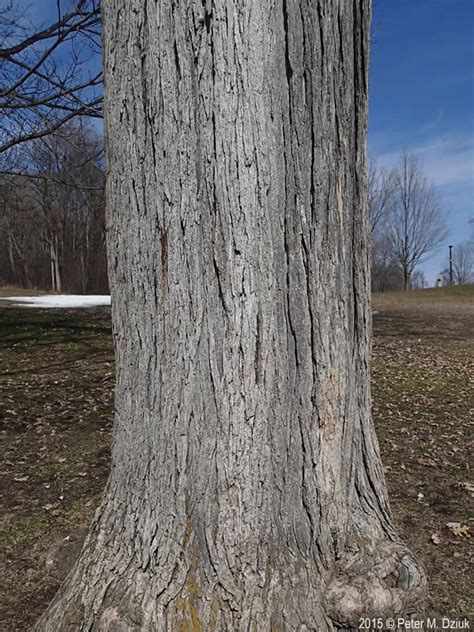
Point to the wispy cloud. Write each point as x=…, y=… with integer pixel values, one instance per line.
x=447, y=160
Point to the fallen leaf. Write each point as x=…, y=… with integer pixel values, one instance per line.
x=436, y=538
x=457, y=528
x=428, y=462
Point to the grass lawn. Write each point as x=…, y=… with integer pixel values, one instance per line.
x=56, y=402
x=423, y=405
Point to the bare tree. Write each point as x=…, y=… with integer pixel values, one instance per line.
x=418, y=280
x=381, y=186
x=53, y=217
x=444, y=278
x=48, y=75
x=69, y=190
x=386, y=275
x=385, y=272
x=416, y=224
x=246, y=490
x=21, y=258
x=462, y=262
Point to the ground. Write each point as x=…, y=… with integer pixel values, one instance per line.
x=56, y=382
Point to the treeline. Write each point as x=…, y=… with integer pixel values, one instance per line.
x=52, y=221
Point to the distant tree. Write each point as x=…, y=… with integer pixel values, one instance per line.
x=381, y=185
x=462, y=262
x=418, y=280
x=386, y=275
x=52, y=232
x=21, y=251
x=68, y=188
x=443, y=278
x=416, y=223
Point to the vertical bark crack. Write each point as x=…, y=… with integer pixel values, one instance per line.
x=288, y=68
x=257, y=346
x=164, y=260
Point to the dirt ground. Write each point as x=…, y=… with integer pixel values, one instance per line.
x=56, y=403
x=423, y=406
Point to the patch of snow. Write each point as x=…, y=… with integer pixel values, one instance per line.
x=59, y=300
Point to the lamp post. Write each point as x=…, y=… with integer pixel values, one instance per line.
x=450, y=265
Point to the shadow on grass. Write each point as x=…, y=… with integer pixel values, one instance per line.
x=17, y=326
x=435, y=328
x=81, y=336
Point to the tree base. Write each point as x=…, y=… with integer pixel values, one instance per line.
x=101, y=596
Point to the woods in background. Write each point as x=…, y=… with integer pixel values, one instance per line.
x=52, y=221
x=52, y=175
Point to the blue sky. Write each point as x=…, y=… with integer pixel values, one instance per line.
x=422, y=99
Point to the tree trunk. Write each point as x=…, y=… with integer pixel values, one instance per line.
x=11, y=257
x=246, y=490
x=85, y=255
x=56, y=274
x=406, y=279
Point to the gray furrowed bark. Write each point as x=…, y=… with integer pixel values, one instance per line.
x=246, y=490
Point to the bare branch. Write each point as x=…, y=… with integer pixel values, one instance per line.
x=46, y=131
x=51, y=70
x=51, y=31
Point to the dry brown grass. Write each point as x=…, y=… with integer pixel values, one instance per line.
x=10, y=290
x=56, y=382
x=423, y=393
x=444, y=300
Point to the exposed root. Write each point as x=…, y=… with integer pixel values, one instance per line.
x=386, y=582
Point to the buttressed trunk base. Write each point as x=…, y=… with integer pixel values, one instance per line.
x=246, y=490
